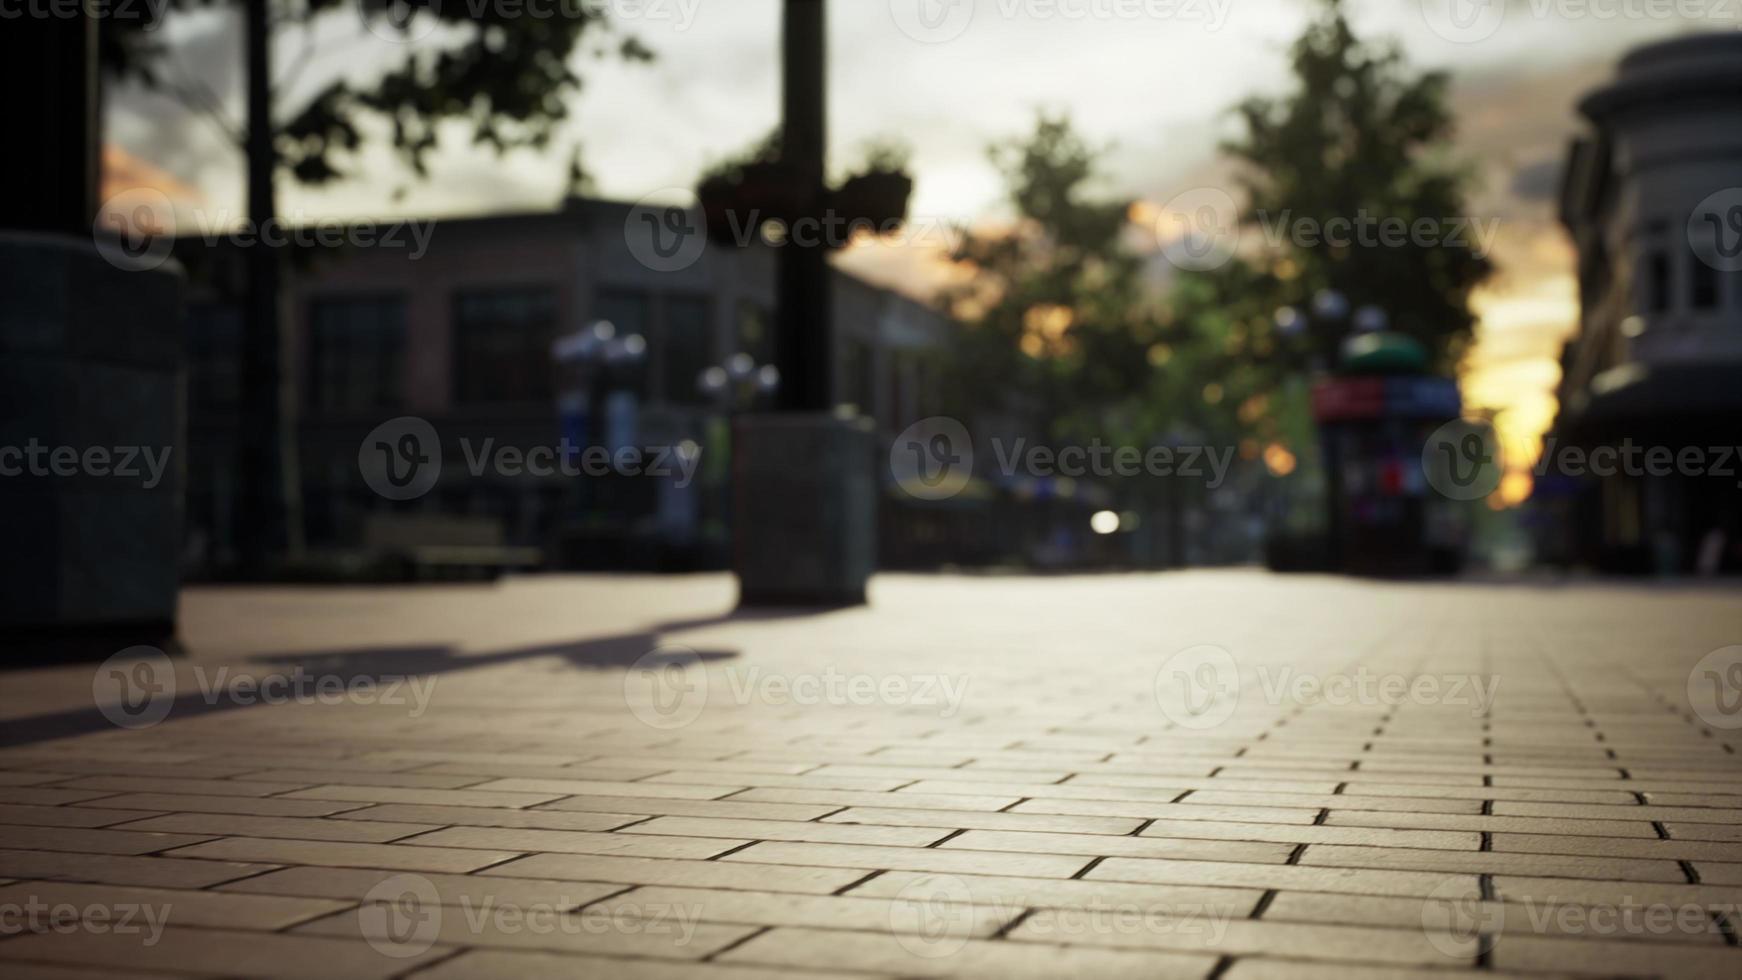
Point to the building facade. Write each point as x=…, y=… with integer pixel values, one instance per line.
x=1652, y=198
x=462, y=336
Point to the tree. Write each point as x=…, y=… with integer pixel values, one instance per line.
x=508, y=76
x=1360, y=135
x=1055, y=313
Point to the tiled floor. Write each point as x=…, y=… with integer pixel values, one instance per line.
x=1217, y=774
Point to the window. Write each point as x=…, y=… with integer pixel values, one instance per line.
x=1657, y=281
x=214, y=358
x=630, y=312
x=687, y=348
x=755, y=333
x=1703, y=283
x=501, y=348
x=356, y=351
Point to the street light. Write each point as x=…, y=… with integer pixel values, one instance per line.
x=740, y=380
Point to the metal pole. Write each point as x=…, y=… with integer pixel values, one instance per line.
x=48, y=70
x=803, y=327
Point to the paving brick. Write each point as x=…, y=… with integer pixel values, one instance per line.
x=519, y=927
x=1515, y=825
x=811, y=911
x=214, y=952
x=355, y=884
x=484, y=796
x=733, y=809
x=1358, y=881
x=1616, y=958
x=1227, y=936
x=1166, y=811
x=175, y=802
x=792, y=830
x=911, y=859
x=1641, y=812
x=694, y=874
x=1673, y=850
x=1504, y=920
x=49, y=795
x=201, y=787
x=291, y=828
x=431, y=817
x=1543, y=865
x=1362, y=836
x=1102, y=845
x=326, y=777
x=396, y=857
x=122, y=869
x=885, y=953
x=176, y=907
x=982, y=820
x=842, y=797
x=64, y=816
x=1349, y=801
x=1266, y=968
x=87, y=841
x=583, y=787
x=740, y=780
x=1084, y=893
x=577, y=842
x=475, y=963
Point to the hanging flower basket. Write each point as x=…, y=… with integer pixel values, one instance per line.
x=879, y=197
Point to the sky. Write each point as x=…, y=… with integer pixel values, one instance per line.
x=1152, y=80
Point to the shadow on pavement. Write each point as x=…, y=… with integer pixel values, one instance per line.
x=602, y=653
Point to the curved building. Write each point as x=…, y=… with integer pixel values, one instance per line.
x=1634, y=470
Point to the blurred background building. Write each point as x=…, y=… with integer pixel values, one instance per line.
x=1651, y=199
x=463, y=337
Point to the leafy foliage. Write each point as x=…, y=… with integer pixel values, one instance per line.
x=1359, y=135
x=505, y=73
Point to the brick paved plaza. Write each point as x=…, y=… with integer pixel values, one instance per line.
x=1215, y=774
